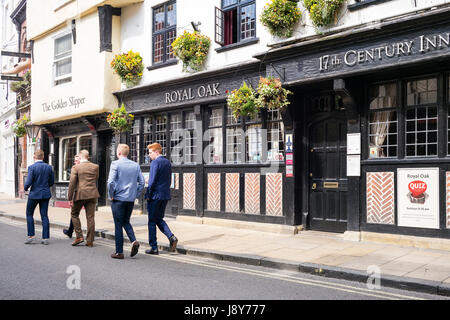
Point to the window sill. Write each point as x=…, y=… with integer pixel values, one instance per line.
x=162, y=65
x=364, y=4
x=237, y=45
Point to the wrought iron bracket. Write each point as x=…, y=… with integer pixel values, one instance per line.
x=283, y=75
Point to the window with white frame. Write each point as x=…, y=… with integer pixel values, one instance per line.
x=68, y=148
x=62, y=64
x=215, y=135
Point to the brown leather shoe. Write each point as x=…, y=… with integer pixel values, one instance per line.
x=89, y=244
x=117, y=256
x=77, y=241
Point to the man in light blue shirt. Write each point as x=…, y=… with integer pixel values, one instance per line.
x=125, y=184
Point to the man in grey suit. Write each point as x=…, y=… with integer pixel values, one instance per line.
x=125, y=184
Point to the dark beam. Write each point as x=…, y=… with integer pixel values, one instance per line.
x=12, y=78
x=16, y=54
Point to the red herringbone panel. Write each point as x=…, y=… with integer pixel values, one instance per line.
x=189, y=191
x=380, y=197
x=232, y=192
x=252, y=193
x=274, y=194
x=213, y=192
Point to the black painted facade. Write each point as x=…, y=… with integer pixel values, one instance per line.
x=197, y=95
x=332, y=77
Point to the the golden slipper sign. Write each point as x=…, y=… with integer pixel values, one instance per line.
x=71, y=102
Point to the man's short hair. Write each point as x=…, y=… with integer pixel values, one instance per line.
x=155, y=147
x=124, y=149
x=84, y=154
x=39, y=154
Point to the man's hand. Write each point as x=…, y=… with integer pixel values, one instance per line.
x=71, y=203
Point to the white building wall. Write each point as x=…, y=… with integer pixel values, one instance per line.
x=137, y=29
x=8, y=42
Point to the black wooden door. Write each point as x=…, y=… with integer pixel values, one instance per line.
x=328, y=173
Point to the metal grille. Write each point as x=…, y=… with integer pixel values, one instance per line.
x=421, y=121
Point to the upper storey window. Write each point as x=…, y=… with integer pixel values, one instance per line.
x=235, y=22
x=164, y=31
x=62, y=63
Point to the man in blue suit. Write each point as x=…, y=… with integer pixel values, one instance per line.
x=40, y=178
x=125, y=184
x=157, y=196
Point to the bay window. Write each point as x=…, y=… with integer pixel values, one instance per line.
x=69, y=148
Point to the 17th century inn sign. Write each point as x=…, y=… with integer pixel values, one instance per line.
x=365, y=54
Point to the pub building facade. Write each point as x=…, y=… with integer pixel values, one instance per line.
x=222, y=167
x=72, y=84
x=371, y=126
x=363, y=148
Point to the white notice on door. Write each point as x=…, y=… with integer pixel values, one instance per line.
x=353, y=165
x=353, y=143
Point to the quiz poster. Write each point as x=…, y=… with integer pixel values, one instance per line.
x=418, y=197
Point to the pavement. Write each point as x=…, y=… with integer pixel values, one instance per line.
x=320, y=253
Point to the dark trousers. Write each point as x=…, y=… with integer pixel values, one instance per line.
x=156, y=209
x=43, y=209
x=70, y=230
x=122, y=213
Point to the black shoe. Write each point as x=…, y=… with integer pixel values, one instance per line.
x=66, y=232
x=173, y=241
x=152, y=251
x=134, y=249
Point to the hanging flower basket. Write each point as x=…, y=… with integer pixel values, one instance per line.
x=280, y=17
x=242, y=102
x=271, y=94
x=323, y=12
x=19, y=126
x=120, y=120
x=22, y=88
x=192, y=49
x=129, y=67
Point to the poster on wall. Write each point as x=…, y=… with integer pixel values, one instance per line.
x=418, y=197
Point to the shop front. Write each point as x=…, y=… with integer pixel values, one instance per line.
x=371, y=126
x=222, y=167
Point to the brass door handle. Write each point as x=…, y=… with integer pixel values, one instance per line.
x=314, y=186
